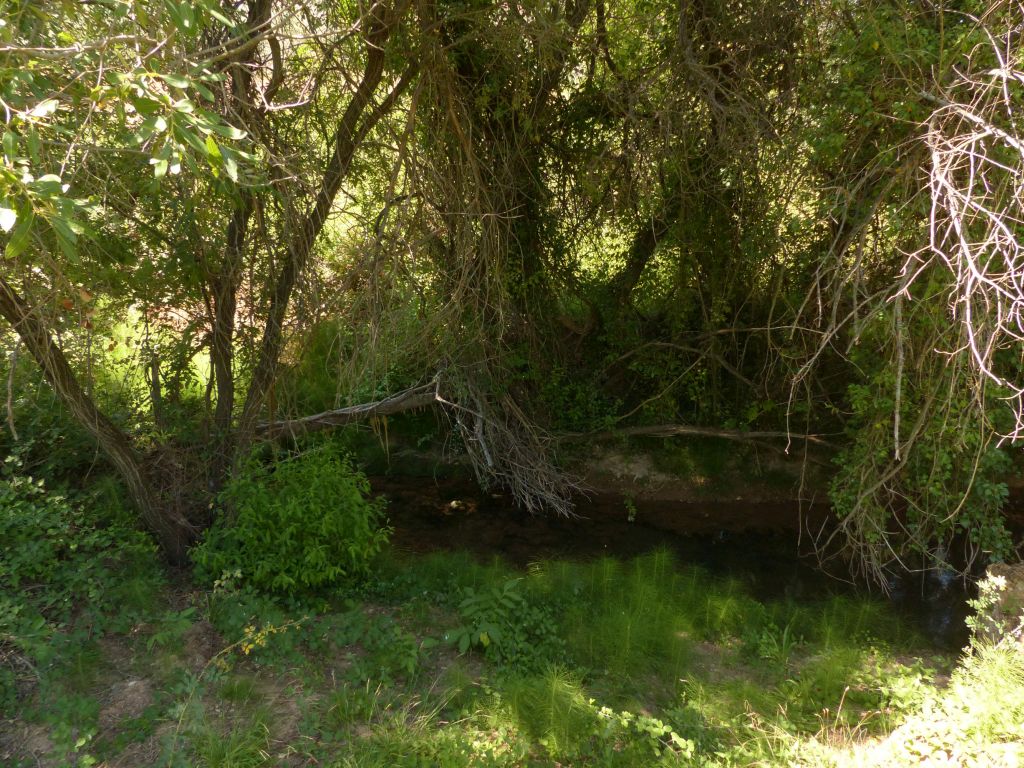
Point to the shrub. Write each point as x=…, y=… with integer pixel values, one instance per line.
x=65, y=573
x=298, y=524
x=57, y=555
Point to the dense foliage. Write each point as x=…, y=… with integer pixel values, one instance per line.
x=303, y=522
x=584, y=216
x=69, y=568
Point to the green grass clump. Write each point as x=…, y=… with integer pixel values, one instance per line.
x=243, y=746
x=551, y=709
x=642, y=618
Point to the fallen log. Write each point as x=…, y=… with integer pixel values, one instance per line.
x=406, y=400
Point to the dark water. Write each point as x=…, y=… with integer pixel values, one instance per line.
x=759, y=545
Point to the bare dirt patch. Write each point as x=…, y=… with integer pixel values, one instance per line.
x=125, y=699
x=22, y=741
x=200, y=643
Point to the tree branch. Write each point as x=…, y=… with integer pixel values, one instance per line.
x=300, y=245
x=407, y=400
x=674, y=430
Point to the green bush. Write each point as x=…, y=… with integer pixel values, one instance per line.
x=298, y=524
x=56, y=555
x=66, y=573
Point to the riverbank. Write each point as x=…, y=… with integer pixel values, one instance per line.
x=441, y=660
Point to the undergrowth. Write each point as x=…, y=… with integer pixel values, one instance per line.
x=442, y=660
x=297, y=524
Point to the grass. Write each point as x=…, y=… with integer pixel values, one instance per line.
x=978, y=720
x=643, y=662
x=240, y=746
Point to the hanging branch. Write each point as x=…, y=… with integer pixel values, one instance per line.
x=976, y=228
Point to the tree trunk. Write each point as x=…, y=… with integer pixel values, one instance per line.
x=352, y=128
x=224, y=298
x=172, y=530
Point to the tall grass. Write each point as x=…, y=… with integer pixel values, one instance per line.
x=660, y=664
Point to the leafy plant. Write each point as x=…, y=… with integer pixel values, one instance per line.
x=301, y=523
x=170, y=627
x=510, y=629
x=57, y=557
x=990, y=622
x=630, y=509
x=390, y=651
x=921, y=470
x=255, y=624
x=775, y=645
x=646, y=736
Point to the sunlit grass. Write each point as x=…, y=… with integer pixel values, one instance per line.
x=655, y=636
x=243, y=746
x=662, y=664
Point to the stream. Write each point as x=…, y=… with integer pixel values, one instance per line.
x=758, y=544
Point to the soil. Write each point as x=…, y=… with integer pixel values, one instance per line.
x=125, y=699
x=19, y=741
x=200, y=644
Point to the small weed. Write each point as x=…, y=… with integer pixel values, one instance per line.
x=630, y=509
x=353, y=704
x=775, y=646
x=170, y=627
x=239, y=689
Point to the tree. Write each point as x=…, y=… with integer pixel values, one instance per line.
x=607, y=217
x=200, y=102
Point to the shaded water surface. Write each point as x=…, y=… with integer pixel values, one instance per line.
x=758, y=544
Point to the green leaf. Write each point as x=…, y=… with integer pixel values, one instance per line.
x=33, y=144
x=146, y=107
x=182, y=15
x=203, y=91
x=10, y=142
x=44, y=108
x=159, y=167
x=230, y=163
x=151, y=125
x=67, y=238
x=176, y=81
x=190, y=138
x=48, y=184
x=212, y=149
x=227, y=131
x=212, y=9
